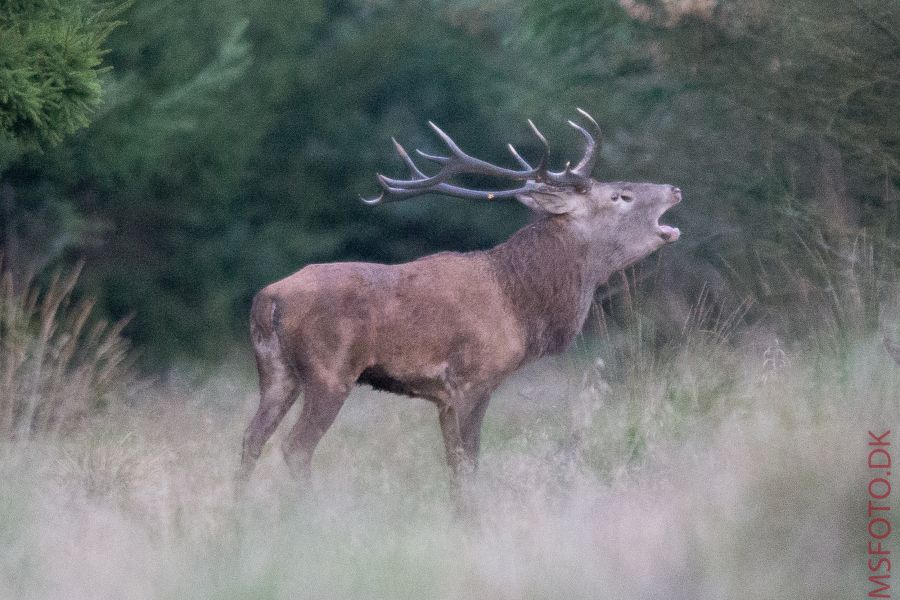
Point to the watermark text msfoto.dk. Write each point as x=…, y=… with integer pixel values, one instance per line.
x=879, y=515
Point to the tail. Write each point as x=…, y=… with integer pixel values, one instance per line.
x=263, y=317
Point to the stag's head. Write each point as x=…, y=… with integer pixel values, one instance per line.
x=619, y=217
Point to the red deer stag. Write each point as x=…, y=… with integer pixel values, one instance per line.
x=451, y=326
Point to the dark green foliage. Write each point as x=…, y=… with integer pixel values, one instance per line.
x=50, y=56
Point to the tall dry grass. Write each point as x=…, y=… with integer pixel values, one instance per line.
x=761, y=493
x=57, y=362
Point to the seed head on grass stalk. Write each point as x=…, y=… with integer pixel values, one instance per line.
x=58, y=362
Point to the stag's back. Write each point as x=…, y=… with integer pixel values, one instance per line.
x=411, y=328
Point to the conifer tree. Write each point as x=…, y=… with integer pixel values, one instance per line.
x=51, y=54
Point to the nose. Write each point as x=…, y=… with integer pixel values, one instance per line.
x=677, y=193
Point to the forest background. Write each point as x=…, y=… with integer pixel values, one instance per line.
x=229, y=142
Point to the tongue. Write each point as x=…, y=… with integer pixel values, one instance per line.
x=670, y=234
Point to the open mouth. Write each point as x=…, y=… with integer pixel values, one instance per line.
x=667, y=232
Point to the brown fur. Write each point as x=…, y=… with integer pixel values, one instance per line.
x=447, y=327
x=546, y=298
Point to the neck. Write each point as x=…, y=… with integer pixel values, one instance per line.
x=547, y=272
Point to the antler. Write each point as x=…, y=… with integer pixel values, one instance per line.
x=461, y=163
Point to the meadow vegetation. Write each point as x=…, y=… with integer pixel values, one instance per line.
x=701, y=469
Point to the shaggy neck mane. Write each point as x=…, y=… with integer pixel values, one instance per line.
x=541, y=268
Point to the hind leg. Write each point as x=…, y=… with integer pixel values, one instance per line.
x=278, y=389
x=462, y=468
x=453, y=442
x=321, y=404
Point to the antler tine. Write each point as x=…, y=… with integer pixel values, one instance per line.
x=539, y=135
x=541, y=169
x=433, y=157
x=447, y=140
x=518, y=157
x=591, y=120
x=588, y=160
x=372, y=201
x=406, y=158
x=586, y=164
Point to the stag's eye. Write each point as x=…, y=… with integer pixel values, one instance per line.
x=627, y=197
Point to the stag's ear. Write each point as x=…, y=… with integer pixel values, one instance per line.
x=556, y=202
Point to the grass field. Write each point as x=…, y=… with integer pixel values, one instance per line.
x=704, y=475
